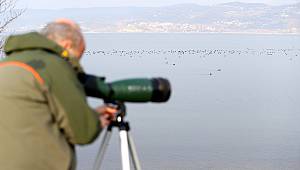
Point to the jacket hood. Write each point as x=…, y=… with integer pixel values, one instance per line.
x=28, y=41
x=34, y=40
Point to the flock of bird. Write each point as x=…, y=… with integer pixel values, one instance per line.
x=198, y=52
x=290, y=54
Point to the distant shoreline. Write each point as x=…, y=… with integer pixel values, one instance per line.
x=230, y=33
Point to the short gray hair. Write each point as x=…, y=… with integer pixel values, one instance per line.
x=62, y=31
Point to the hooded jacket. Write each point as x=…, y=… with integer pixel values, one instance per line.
x=43, y=107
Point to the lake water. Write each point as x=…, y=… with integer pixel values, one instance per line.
x=235, y=103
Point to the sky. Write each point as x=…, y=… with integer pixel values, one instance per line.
x=57, y=4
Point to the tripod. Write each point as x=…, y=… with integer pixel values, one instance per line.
x=128, y=151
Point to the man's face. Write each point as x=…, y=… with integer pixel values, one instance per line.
x=78, y=52
x=82, y=48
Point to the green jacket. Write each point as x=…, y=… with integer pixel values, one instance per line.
x=43, y=107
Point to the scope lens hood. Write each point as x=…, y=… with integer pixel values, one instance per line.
x=161, y=90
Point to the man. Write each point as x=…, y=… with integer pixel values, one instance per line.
x=43, y=106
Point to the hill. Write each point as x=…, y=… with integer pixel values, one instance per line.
x=227, y=17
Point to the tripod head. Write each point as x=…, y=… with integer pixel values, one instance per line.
x=119, y=117
x=118, y=105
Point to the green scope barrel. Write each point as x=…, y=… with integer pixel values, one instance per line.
x=128, y=90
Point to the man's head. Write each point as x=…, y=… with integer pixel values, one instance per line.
x=67, y=34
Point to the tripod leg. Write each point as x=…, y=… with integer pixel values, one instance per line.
x=102, y=150
x=133, y=152
x=124, y=150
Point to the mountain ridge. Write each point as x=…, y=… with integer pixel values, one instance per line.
x=226, y=17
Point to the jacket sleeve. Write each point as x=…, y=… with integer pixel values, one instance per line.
x=76, y=119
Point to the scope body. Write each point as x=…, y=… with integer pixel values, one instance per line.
x=127, y=90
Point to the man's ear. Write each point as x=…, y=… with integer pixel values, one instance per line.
x=66, y=44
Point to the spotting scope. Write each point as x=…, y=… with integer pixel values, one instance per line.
x=127, y=90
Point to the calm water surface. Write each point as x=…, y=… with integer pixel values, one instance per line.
x=235, y=102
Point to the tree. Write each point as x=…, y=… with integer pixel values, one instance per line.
x=8, y=13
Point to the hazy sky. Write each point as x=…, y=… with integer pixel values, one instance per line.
x=47, y=4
